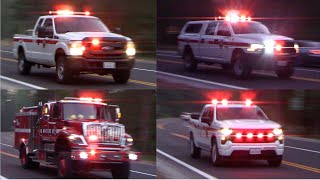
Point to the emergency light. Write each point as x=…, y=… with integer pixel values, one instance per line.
x=225, y=102
x=69, y=12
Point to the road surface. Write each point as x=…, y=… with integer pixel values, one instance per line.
x=143, y=76
x=171, y=74
x=301, y=158
x=11, y=168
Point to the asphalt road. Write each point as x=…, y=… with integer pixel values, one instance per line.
x=143, y=76
x=301, y=158
x=171, y=74
x=11, y=168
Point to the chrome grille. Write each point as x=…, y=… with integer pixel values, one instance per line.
x=107, y=133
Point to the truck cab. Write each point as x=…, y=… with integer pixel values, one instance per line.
x=73, y=134
x=74, y=43
x=238, y=44
x=235, y=130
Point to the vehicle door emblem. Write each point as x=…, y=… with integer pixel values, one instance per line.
x=107, y=48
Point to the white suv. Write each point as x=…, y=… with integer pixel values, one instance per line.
x=238, y=44
x=236, y=130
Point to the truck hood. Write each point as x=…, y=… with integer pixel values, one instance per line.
x=78, y=36
x=248, y=124
x=262, y=37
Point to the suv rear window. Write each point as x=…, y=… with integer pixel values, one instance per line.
x=193, y=28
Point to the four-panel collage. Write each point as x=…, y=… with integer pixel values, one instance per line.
x=160, y=89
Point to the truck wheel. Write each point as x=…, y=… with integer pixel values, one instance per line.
x=190, y=64
x=64, y=165
x=241, y=67
x=25, y=160
x=276, y=162
x=121, y=171
x=195, y=152
x=121, y=77
x=285, y=73
x=215, y=156
x=24, y=66
x=63, y=75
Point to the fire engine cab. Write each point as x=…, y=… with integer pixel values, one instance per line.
x=74, y=134
x=74, y=43
x=238, y=44
x=235, y=130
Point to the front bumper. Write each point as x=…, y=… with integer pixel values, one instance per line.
x=80, y=64
x=268, y=150
x=271, y=62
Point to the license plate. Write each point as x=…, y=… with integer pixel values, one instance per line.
x=282, y=63
x=109, y=65
x=255, y=151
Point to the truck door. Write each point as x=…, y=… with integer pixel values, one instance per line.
x=55, y=117
x=32, y=48
x=205, y=127
x=224, y=39
x=210, y=47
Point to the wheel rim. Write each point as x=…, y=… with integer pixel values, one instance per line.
x=238, y=67
x=62, y=167
x=21, y=64
x=191, y=146
x=214, y=153
x=60, y=70
x=23, y=158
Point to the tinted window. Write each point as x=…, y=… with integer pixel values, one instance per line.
x=48, y=23
x=193, y=28
x=38, y=25
x=223, y=30
x=56, y=111
x=79, y=111
x=238, y=113
x=249, y=27
x=211, y=28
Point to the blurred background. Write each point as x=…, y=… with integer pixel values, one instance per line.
x=299, y=19
x=136, y=18
x=297, y=111
x=137, y=110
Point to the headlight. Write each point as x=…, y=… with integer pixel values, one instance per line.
x=296, y=47
x=129, y=141
x=131, y=50
x=76, y=139
x=226, y=131
x=255, y=47
x=277, y=131
x=76, y=48
x=269, y=46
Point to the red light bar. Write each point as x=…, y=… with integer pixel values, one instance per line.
x=68, y=12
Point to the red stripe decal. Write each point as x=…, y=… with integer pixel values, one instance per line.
x=216, y=42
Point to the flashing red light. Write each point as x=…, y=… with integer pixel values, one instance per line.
x=278, y=47
x=87, y=13
x=248, y=102
x=224, y=102
x=260, y=135
x=238, y=135
x=92, y=152
x=214, y=101
x=95, y=42
x=249, y=18
x=249, y=135
x=85, y=99
x=64, y=12
x=97, y=100
x=270, y=135
x=23, y=140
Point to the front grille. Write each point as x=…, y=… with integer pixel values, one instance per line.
x=107, y=133
x=255, y=138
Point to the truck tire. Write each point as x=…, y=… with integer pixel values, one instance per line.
x=121, y=171
x=215, y=157
x=195, y=152
x=121, y=77
x=241, y=67
x=64, y=165
x=285, y=73
x=63, y=74
x=190, y=64
x=26, y=162
x=276, y=162
x=24, y=66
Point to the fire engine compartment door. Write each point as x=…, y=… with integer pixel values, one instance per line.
x=25, y=127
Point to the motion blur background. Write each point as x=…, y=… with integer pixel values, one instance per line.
x=297, y=111
x=299, y=19
x=136, y=18
x=137, y=109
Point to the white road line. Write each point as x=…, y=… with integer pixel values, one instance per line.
x=1, y=177
x=6, y=51
x=202, y=81
x=6, y=145
x=302, y=149
x=310, y=70
x=22, y=83
x=208, y=176
x=149, y=70
x=143, y=173
x=176, y=56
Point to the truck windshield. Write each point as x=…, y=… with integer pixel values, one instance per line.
x=249, y=28
x=78, y=111
x=240, y=113
x=79, y=24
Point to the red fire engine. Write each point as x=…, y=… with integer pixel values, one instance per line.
x=74, y=134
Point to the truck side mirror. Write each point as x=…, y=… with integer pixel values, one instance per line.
x=195, y=115
x=114, y=112
x=46, y=117
x=44, y=32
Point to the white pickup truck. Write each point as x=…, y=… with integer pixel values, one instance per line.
x=238, y=44
x=235, y=130
x=74, y=43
